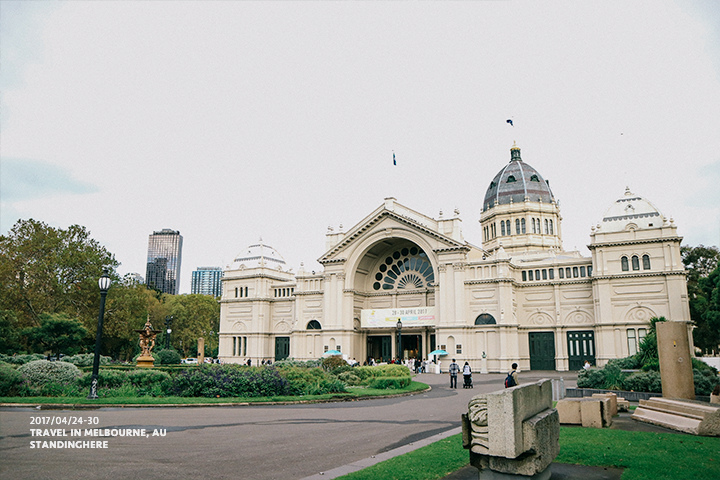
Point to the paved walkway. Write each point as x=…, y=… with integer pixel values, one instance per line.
x=266, y=442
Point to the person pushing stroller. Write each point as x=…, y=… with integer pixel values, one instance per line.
x=467, y=376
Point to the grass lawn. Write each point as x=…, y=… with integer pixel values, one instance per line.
x=642, y=455
x=353, y=393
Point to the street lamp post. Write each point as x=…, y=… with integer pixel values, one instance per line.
x=104, y=284
x=399, y=342
x=168, y=324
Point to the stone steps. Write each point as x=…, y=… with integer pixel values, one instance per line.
x=681, y=415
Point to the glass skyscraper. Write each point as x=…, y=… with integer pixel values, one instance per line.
x=163, y=261
x=206, y=281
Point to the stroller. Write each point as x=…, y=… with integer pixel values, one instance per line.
x=467, y=381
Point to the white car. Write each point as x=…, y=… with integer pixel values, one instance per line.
x=190, y=360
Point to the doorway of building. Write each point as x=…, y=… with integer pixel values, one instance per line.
x=282, y=348
x=542, y=350
x=379, y=347
x=411, y=346
x=581, y=347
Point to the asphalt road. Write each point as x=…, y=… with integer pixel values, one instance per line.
x=243, y=442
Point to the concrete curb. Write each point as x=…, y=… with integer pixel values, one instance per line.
x=368, y=462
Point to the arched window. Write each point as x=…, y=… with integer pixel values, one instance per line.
x=635, y=262
x=511, y=179
x=517, y=226
x=485, y=319
x=522, y=224
x=624, y=263
x=314, y=325
x=406, y=268
x=547, y=229
x=646, y=262
x=533, y=224
x=551, y=227
x=534, y=178
x=502, y=228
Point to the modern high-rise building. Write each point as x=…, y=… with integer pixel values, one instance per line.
x=206, y=281
x=163, y=261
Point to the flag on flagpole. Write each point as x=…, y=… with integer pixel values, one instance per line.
x=394, y=162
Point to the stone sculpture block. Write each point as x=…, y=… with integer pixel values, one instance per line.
x=513, y=431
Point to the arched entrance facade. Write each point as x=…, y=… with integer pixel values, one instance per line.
x=393, y=285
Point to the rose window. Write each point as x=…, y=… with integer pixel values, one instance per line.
x=405, y=268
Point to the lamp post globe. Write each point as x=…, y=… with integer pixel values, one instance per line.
x=104, y=284
x=168, y=324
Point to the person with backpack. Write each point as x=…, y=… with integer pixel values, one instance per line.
x=512, y=379
x=454, y=370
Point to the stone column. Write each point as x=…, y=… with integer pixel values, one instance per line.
x=676, y=372
x=201, y=350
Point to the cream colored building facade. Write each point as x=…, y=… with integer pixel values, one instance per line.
x=518, y=298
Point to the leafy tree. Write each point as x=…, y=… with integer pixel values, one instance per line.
x=9, y=333
x=699, y=261
x=707, y=311
x=127, y=308
x=57, y=333
x=49, y=270
x=702, y=265
x=195, y=316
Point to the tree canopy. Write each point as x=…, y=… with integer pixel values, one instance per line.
x=703, y=284
x=51, y=270
x=57, y=333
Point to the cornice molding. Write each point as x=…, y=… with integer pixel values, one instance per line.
x=621, y=243
x=637, y=275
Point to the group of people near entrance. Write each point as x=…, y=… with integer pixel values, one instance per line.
x=454, y=369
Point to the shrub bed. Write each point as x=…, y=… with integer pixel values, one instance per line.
x=11, y=381
x=611, y=377
x=39, y=372
x=228, y=381
x=21, y=359
x=86, y=360
x=62, y=379
x=384, y=383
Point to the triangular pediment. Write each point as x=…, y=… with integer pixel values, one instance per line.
x=392, y=215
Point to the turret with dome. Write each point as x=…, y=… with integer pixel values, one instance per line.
x=520, y=212
x=259, y=255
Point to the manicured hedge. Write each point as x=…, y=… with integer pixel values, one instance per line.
x=39, y=372
x=384, y=383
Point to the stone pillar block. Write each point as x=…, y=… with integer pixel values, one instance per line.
x=201, y=350
x=595, y=412
x=676, y=372
x=613, y=405
x=569, y=411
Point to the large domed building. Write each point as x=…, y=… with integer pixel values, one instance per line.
x=518, y=298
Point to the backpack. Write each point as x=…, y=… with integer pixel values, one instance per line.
x=510, y=380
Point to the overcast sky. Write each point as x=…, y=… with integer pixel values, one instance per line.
x=231, y=121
